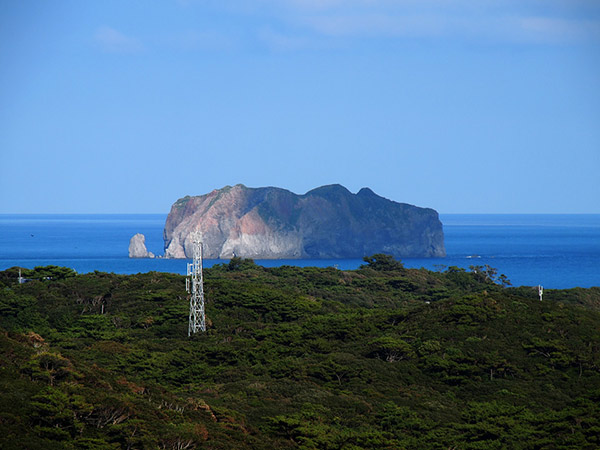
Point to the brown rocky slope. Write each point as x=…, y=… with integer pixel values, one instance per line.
x=327, y=222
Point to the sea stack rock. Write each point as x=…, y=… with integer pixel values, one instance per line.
x=327, y=222
x=137, y=247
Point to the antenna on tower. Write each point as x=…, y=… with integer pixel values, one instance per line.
x=194, y=284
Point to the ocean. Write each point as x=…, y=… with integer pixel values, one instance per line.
x=556, y=251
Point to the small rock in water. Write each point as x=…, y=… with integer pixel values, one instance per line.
x=137, y=247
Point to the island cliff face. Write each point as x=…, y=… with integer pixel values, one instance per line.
x=327, y=222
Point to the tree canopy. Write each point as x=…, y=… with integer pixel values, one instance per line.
x=381, y=357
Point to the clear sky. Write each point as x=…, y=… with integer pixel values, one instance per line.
x=487, y=106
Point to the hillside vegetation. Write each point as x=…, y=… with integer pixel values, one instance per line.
x=378, y=358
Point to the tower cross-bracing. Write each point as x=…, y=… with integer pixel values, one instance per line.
x=195, y=286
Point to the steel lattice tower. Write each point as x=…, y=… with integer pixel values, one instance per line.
x=195, y=286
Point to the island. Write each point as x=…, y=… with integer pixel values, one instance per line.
x=137, y=247
x=326, y=222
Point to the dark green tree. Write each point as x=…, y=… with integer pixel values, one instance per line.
x=382, y=262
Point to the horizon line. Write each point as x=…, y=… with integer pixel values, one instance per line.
x=163, y=213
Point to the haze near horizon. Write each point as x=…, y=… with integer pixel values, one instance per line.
x=124, y=107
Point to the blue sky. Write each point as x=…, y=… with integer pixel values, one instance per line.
x=466, y=107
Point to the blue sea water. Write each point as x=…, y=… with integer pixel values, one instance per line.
x=557, y=251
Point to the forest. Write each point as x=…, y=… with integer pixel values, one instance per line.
x=381, y=357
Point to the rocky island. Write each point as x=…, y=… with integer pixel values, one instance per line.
x=137, y=247
x=326, y=222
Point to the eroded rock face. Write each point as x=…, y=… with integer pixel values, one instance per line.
x=137, y=247
x=327, y=222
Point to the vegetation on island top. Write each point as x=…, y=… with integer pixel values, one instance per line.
x=382, y=357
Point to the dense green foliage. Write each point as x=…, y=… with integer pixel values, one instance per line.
x=383, y=357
